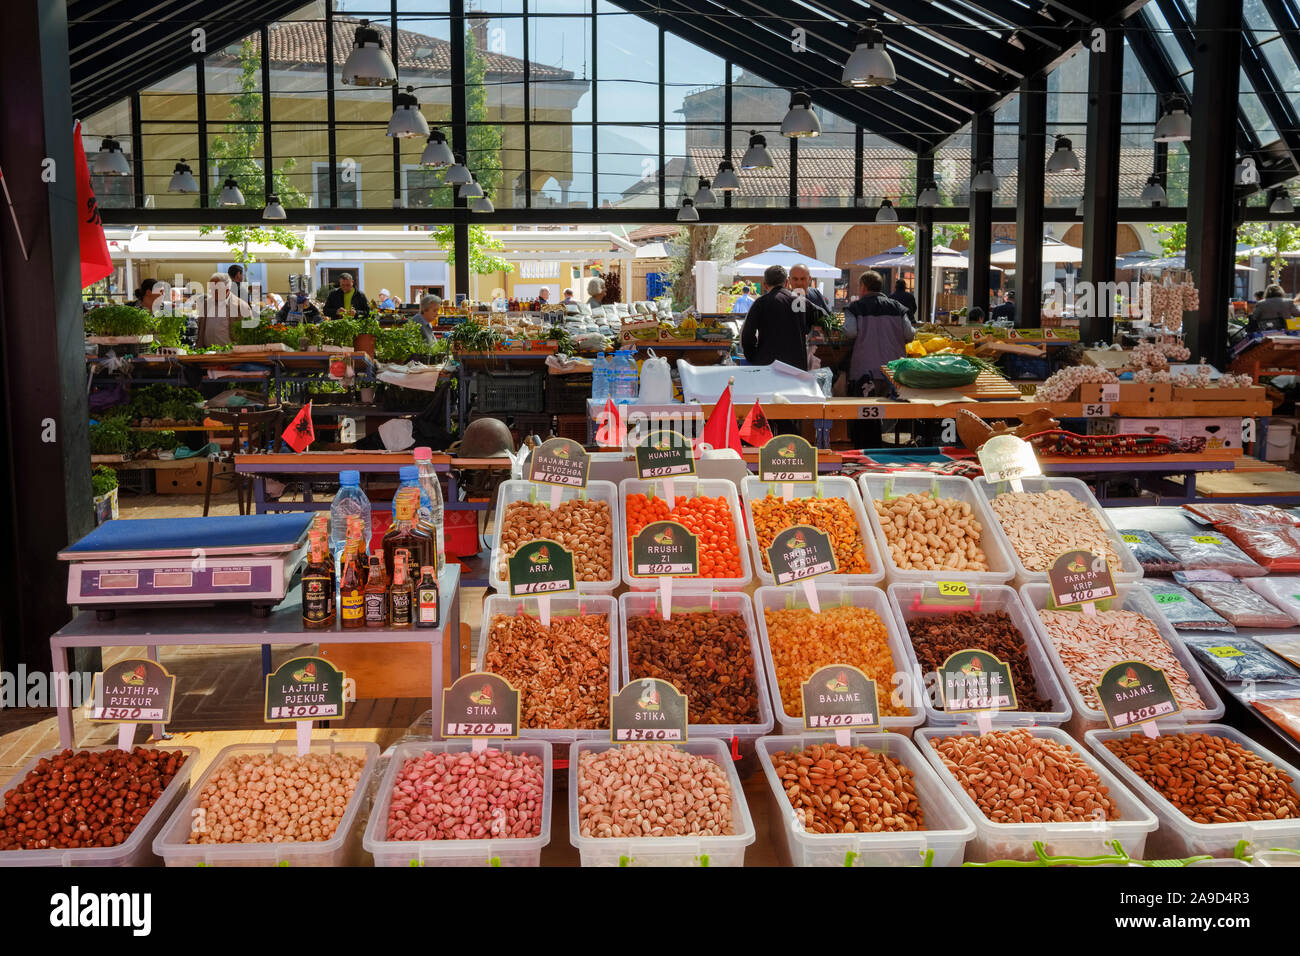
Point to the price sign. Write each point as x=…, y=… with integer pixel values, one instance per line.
x=560, y=461
x=953, y=589
x=648, y=709
x=787, y=458
x=840, y=697
x=1133, y=692
x=540, y=567
x=1131, y=539
x=133, y=691
x=801, y=552
x=1080, y=577
x=1207, y=539
x=664, y=454
x=1096, y=410
x=1226, y=650
x=480, y=704
x=976, y=680
x=665, y=548
x=1110, y=393
x=305, y=689
x=1168, y=598
x=871, y=412
x=1008, y=458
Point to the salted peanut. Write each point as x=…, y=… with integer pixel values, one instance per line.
x=561, y=671
x=801, y=642
x=1015, y=777
x=583, y=526
x=834, y=789
x=928, y=533
x=1043, y=525
x=835, y=516
x=490, y=795
x=652, y=790
x=1210, y=779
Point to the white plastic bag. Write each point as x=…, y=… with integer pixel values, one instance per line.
x=656, y=381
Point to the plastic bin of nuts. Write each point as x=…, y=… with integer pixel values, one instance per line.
x=946, y=828
x=956, y=500
x=135, y=850
x=832, y=504
x=710, y=504
x=700, y=770
x=709, y=650
x=342, y=760
x=1082, y=648
x=565, y=673
x=1052, y=516
x=855, y=626
x=935, y=627
x=1001, y=767
x=1179, y=760
x=586, y=523
x=422, y=766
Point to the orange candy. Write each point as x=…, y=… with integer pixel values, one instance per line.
x=707, y=518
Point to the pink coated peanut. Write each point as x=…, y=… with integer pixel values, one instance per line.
x=492, y=795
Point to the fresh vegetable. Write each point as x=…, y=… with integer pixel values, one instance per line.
x=102, y=480
x=112, y=436
x=119, y=320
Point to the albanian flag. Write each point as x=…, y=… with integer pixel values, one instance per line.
x=300, y=432
x=610, y=432
x=720, y=428
x=755, y=429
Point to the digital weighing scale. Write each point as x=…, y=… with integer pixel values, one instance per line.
x=170, y=562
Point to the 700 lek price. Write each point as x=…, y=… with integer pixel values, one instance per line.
x=306, y=711
x=646, y=733
x=479, y=730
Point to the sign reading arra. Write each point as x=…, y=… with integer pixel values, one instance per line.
x=540, y=567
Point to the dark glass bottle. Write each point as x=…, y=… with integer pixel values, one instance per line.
x=376, y=593
x=401, y=593
x=426, y=599
x=317, y=609
x=352, y=585
x=405, y=533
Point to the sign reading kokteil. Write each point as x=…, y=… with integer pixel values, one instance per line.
x=1078, y=577
x=647, y=709
x=801, y=552
x=480, y=704
x=305, y=688
x=840, y=697
x=665, y=547
x=560, y=461
x=787, y=458
x=133, y=690
x=1132, y=692
x=664, y=454
x=974, y=680
x=540, y=567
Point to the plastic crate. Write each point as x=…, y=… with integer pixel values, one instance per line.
x=573, y=427
x=567, y=394
x=687, y=487
x=135, y=481
x=508, y=391
x=522, y=490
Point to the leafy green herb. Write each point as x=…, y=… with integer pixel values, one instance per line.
x=119, y=320
x=102, y=480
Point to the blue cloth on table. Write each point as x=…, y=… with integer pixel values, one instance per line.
x=219, y=531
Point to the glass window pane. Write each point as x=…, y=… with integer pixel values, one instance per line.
x=826, y=166
x=559, y=63
x=1165, y=37
x=298, y=149
x=629, y=164
x=1288, y=75
x=163, y=145
x=694, y=82
x=233, y=78
x=494, y=69
x=561, y=166
x=172, y=100
x=756, y=103
x=1257, y=18
x=297, y=61
x=495, y=154
x=1139, y=95
x=627, y=67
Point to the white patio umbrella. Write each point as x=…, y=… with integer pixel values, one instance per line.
x=782, y=255
x=1054, y=252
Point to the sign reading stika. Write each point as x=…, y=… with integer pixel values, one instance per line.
x=648, y=708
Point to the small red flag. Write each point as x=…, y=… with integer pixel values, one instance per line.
x=300, y=432
x=755, y=429
x=609, y=431
x=96, y=263
x=720, y=430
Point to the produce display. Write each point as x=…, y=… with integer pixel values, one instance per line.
x=1015, y=777
x=1063, y=383
x=705, y=655
x=1090, y=644
x=560, y=670
x=1210, y=779
x=583, y=526
x=652, y=790
x=1043, y=525
x=1209, y=552
x=1164, y=303
x=276, y=798
x=835, y=516
x=83, y=799
x=801, y=642
x=1239, y=605
x=927, y=533
x=489, y=795
x=1239, y=658
x=936, y=638
x=1183, y=609
x=834, y=789
x=709, y=518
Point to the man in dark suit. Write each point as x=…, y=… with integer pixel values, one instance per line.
x=346, y=296
x=815, y=304
x=905, y=299
x=774, y=330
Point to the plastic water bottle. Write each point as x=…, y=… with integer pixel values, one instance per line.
x=626, y=380
x=430, y=501
x=407, y=477
x=600, y=379
x=350, y=500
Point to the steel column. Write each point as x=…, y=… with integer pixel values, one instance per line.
x=981, y=215
x=460, y=139
x=1030, y=182
x=1101, y=181
x=924, y=291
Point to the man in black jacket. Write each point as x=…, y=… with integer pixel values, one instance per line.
x=774, y=330
x=346, y=296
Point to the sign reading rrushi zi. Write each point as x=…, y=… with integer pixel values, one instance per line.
x=665, y=548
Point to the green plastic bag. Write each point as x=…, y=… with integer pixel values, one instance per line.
x=934, y=371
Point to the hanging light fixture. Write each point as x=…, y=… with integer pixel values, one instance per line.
x=1063, y=158
x=230, y=194
x=482, y=204
x=1153, y=192
x=704, y=195
x=1281, y=204
x=436, y=151
x=471, y=189
x=407, y=119
x=886, y=212
x=1175, y=126
x=457, y=174
x=984, y=180
x=368, y=64
x=110, y=161
x=688, y=212
x=273, y=208
x=869, y=64
x=757, y=156
x=726, y=181
x=800, y=120
x=182, y=180
x=929, y=194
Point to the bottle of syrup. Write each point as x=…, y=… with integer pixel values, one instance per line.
x=352, y=581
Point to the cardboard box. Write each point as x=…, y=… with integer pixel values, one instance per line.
x=1251, y=393
x=190, y=477
x=1150, y=393
x=1169, y=427
x=1219, y=433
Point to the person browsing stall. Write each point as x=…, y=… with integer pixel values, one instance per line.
x=905, y=299
x=218, y=311
x=817, y=308
x=744, y=302
x=427, y=318
x=346, y=296
x=774, y=330
x=150, y=291
x=1271, y=313
x=880, y=332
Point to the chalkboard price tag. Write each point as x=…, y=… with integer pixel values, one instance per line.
x=976, y=680
x=540, y=567
x=133, y=691
x=480, y=704
x=665, y=548
x=664, y=454
x=840, y=697
x=1134, y=692
x=648, y=709
x=787, y=458
x=801, y=552
x=1080, y=577
x=305, y=689
x=560, y=461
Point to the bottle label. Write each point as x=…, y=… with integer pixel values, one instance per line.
x=428, y=610
x=352, y=606
x=315, y=599
x=401, y=601
x=377, y=608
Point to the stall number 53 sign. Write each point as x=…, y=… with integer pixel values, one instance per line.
x=873, y=412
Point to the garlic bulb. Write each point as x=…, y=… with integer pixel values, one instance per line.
x=1062, y=384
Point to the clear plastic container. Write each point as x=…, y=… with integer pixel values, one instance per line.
x=1015, y=841
x=1129, y=569
x=523, y=490
x=625, y=379
x=600, y=379
x=1277, y=858
x=526, y=851
x=561, y=605
x=1129, y=597
x=646, y=603
x=992, y=597
x=1179, y=836
x=135, y=850
x=1001, y=562
x=947, y=827
x=687, y=487
x=171, y=843
x=829, y=594
x=832, y=486
x=348, y=500
x=666, y=851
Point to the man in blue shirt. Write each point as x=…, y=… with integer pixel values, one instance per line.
x=744, y=302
